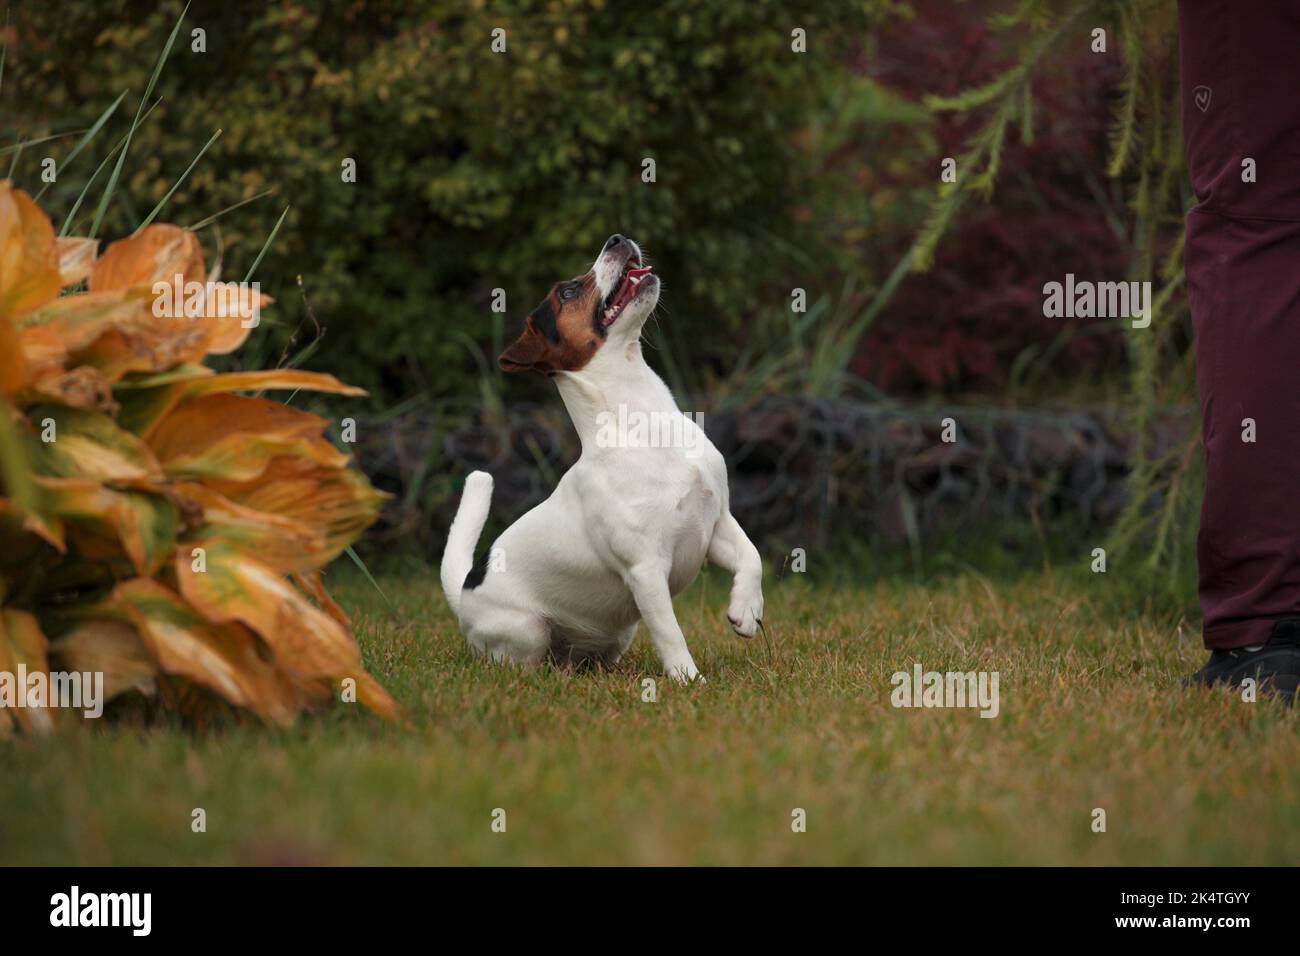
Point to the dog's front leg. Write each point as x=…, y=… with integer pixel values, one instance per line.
x=649, y=586
x=732, y=551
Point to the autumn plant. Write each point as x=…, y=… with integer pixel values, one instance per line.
x=158, y=524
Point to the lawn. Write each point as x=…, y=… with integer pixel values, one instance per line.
x=587, y=772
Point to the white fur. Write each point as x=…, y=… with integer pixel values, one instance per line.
x=458, y=556
x=624, y=531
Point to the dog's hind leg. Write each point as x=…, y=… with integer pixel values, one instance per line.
x=622, y=644
x=649, y=586
x=732, y=551
x=506, y=634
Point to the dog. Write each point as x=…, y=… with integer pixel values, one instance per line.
x=629, y=525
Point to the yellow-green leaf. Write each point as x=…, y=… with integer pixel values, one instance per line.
x=111, y=648
x=278, y=378
x=90, y=445
x=29, y=265
x=223, y=658
x=287, y=544
x=237, y=587
x=144, y=525
x=76, y=258
x=305, y=641
x=21, y=642
x=341, y=501
x=234, y=438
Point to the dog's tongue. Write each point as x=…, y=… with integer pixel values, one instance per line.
x=628, y=287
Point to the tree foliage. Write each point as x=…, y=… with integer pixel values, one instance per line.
x=475, y=170
x=1154, y=538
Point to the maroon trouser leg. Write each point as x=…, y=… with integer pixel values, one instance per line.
x=1241, y=101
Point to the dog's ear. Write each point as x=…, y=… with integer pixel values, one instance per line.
x=527, y=352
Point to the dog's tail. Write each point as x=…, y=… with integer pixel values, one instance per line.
x=458, y=556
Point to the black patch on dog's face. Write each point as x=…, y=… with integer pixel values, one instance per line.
x=597, y=314
x=563, y=333
x=544, y=319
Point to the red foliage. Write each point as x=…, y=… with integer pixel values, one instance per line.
x=962, y=325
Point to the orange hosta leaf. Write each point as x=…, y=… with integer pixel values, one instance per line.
x=238, y=587
x=113, y=649
x=315, y=587
x=13, y=365
x=143, y=525
x=21, y=642
x=276, y=378
x=29, y=264
x=23, y=526
x=76, y=258
x=90, y=445
x=215, y=316
x=118, y=326
x=123, y=351
x=371, y=693
x=234, y=438
x=154, y=455
x=229, y=312
x=157, y=253
x=42, y=348
x=223, y=657
x=185, y=372
x=305, y=641
x=341, y=501
x=224, y=312
x=17, y=449
x=80, y=387
x=58, y=333
x=163, y=266
x=80, y=319
x=284, y=543
x=13, y=519
x=145, y=405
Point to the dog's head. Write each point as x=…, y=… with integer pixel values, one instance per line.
x=582, y=315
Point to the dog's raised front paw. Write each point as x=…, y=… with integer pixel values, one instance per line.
x=745, y=616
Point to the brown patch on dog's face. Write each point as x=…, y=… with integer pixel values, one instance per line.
x=561, y=334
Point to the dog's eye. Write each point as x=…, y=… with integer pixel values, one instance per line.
x=568, y=292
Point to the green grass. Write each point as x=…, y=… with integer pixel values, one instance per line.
x=1091, y=716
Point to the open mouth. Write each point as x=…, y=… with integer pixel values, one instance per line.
x=629, y=281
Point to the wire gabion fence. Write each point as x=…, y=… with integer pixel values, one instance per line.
x=804, y=471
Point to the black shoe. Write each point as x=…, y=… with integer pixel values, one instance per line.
x=1275, y=666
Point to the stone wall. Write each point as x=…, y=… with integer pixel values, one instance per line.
x=802, y=470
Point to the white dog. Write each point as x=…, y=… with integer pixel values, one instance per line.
x=629, y=525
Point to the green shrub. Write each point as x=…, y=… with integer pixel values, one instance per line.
x=475, y=170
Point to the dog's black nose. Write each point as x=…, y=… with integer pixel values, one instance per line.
x=614, y=241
